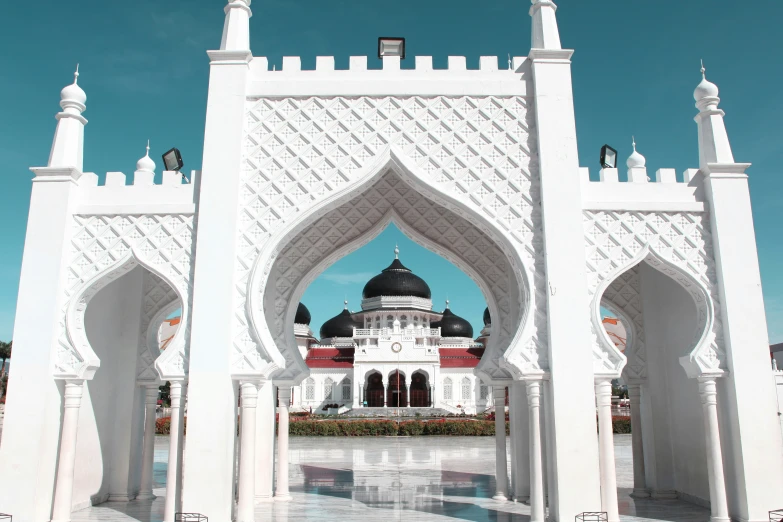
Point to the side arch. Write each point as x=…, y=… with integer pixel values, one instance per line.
x=702, y=358
x=170, y=366
x=281, y=312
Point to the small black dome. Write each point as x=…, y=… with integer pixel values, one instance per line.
x=302, y=315
x=340, y=325
x=396, y=280
x=453, y=325
x=487, y=318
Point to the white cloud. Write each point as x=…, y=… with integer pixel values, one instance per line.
x=349, y=279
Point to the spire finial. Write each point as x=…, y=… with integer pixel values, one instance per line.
x=148, y=147
x=447, y=304
x=345, y=303
x=633, y=142
x=396, y=251
x=510, y=63
x=76, y=75
x=703, y=70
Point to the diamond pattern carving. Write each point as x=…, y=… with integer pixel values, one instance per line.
x=623, y=295
x=355, y=223
x=159, y=297
x=300, y=151
x=683, y=240
x=104, y=248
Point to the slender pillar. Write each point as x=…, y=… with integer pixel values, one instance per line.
x=637, y=442
x=603, y=394
x=537, y=507
x=265, y=442
x=284, y=396
x=63, y=495
x=173, y=482
x=385, y=394
x=709, y=401
x=501, y=464
x=247, y=473
x=148, y=454
x=519, y=419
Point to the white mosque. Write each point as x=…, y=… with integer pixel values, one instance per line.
x=396, y=352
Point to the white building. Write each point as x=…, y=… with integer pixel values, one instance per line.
x=396, y=352
x=301, y=168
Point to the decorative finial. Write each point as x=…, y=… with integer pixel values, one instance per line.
x=703, y=70
x=396, y=251
x=76, y=75
x=146, y=164
x=148, y=147
x=447, y=304
x=633, y=142
x=346, y=304
x=510, y=63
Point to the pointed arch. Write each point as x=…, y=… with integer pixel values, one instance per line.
x=171, y=365
x=512, y=310
x=702, y=357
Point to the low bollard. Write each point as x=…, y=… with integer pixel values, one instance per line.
x=592, y=516
x=190, y=517
x=776, y=516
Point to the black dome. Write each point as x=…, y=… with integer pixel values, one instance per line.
x=302, y=315
x=453, y=325
x=487, y=318
x=396, y=280
x=341, y=325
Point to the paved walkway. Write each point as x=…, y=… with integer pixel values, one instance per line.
x=397, y=478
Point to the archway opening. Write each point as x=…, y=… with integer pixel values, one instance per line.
x=375, y=392
x=397, y=393
x=420, y=390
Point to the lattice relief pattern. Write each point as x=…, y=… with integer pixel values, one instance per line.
x=624, y=294
x=158, y=297
x=447, y=234
x=614, y=239
x=299, y=151
x=105, y=247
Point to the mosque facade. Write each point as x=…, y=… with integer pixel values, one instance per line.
x=397, y=352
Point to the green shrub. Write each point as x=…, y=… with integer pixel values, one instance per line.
x=621, y=424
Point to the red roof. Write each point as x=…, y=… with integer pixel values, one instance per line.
x=460, y=357
x=330, y=358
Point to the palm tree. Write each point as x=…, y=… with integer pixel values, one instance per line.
x=5, y=354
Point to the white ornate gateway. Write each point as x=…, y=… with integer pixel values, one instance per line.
x=302, y=167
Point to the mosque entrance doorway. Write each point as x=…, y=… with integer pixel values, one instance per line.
x=420, y=391
x=375, y=391
x=398, y=390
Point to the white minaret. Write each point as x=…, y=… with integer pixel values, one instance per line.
x=752, y=430
x=145, y=169
x=68, y=144
x=236, y=31
x=545, y=34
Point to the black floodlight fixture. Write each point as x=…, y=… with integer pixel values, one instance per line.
x=172, y=160
x=608, y=157
x=391, y=46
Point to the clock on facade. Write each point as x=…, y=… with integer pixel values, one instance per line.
x=396, y=347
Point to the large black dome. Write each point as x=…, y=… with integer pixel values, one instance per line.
x=452, y=325
x=396, y=280
x=341, y=325
x=302, y=315
x=487, y=318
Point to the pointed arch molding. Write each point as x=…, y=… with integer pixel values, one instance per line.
x=303, y=157
x=675, y=243
x=105, y=247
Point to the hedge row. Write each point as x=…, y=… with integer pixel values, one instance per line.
x=379, y=428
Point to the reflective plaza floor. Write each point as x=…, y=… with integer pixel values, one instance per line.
x=397, y=478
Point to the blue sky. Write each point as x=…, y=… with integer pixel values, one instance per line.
x=145, y=72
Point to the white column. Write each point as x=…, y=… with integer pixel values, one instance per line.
x=520, y=445
x=501, y=464
x=247, y=473
x=281, y=492
x=408, y=381
x=603, y=395
x=709, y=401
x=64, y=489
x=148, y=455
x=385, y=393
x=637, y=442
x=537, y=505
x=265, y=442
x=173, y=483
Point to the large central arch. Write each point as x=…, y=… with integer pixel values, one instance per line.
x=392, y=194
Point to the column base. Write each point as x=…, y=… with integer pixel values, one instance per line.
x=145, y=496
x=663, y=494
x=283, y=498
x=523, y=500
x=501, y=497
x=264, y=499
x=120, y=497
x=640, y=493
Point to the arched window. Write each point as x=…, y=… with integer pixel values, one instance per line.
x=310, y=389
x=447, y=394
x=466, y=389
x=346, y=389
x=328, y=387
x=483, y=391
x=389, y=321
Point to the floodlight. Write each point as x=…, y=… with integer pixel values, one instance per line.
x=172, y=160
x=608, y=157
x=390, y=46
